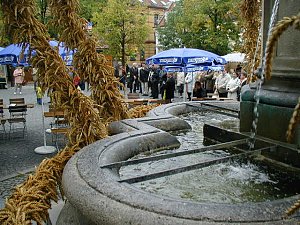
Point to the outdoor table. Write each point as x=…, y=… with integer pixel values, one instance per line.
x=225, y=99
x=136, y=100
x=27, y=105
x=156, y=101
x=203, y=99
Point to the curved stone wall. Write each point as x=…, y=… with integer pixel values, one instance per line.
x=95, y=195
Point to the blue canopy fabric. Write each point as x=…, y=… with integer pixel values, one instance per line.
x=173, y=68
x=195, y=68
x=192, y=68
x=11, y=55
x=184, y=56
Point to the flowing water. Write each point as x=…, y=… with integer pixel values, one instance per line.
x=241, y=180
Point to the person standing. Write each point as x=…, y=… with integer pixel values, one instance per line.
x=189, y=81
x=221, y=83
x=232, y=86
x=122, y=76
x=199, y=91
x=133, y=79
x=154, y=82
x=243, y=80
x=76, y=80
x=169, y=88
x=39, y=95
x=34, y=77
x=19, y=79
x=180, y=83
x=144, y=75
x=135, y=74
x=209, y=81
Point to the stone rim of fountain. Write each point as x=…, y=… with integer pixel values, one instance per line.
x=88, y=186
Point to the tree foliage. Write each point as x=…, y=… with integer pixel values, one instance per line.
x=212, y=25
x=88, y=7
x=122, y=26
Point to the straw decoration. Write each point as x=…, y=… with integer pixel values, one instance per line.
x=251, y=22
x=90, y=65
x=277, y=31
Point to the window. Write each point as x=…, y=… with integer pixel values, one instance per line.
x=156, y=18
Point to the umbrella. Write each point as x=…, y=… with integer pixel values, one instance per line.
x=234, y=57
x=173, y=68
x=184, y=56
x=11, y=55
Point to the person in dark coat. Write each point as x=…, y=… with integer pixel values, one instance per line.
x=209, y=82
x=169, y=88
x=154, y=82
x=199, y=91
x=162, y=82
x=136, y=81
x=133, y=76
x=144, y=76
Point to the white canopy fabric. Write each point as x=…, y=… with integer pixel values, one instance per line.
x=235, y=57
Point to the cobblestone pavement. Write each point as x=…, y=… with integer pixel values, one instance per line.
x=18, y=158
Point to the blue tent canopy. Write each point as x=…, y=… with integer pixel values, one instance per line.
x=11, y=55
x=184, y=56
x=195, y=68
x=173, y=68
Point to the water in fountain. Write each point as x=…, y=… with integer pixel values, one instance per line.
x=243, y=180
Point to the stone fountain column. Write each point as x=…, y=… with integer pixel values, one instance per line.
x=279, y=95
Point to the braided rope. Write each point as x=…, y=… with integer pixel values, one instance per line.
x=31, y=200
x=295, y=120
x=277, y=31
x=293, y=209
x=90, y=65
x=250, y=14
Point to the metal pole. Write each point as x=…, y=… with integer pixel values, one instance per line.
x=44, y=149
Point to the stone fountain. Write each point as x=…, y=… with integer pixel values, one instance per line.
x=97, y=195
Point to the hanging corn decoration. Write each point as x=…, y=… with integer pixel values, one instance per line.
x=90, y=65
x=250, y=10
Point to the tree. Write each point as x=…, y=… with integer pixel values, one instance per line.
x=122, y=26
x=88, y=7
x=211, y=25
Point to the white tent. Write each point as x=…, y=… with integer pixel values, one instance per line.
x=235, y=57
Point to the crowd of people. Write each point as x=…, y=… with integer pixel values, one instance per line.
x=154, y=81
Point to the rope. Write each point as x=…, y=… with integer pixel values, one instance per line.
x=294, y=121
x=277, y=31
x=250, y=10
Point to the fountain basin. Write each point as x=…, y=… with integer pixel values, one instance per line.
x=96, y=196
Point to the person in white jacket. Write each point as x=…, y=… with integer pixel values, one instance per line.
x=233, y=86
x=180, y=82
x=190, y=82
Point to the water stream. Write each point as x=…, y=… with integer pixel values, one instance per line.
x=236, y=181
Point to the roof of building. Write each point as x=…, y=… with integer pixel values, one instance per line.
x=157, y=3
x=162, y=20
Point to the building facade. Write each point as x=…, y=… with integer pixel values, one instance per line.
x=155, y=11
